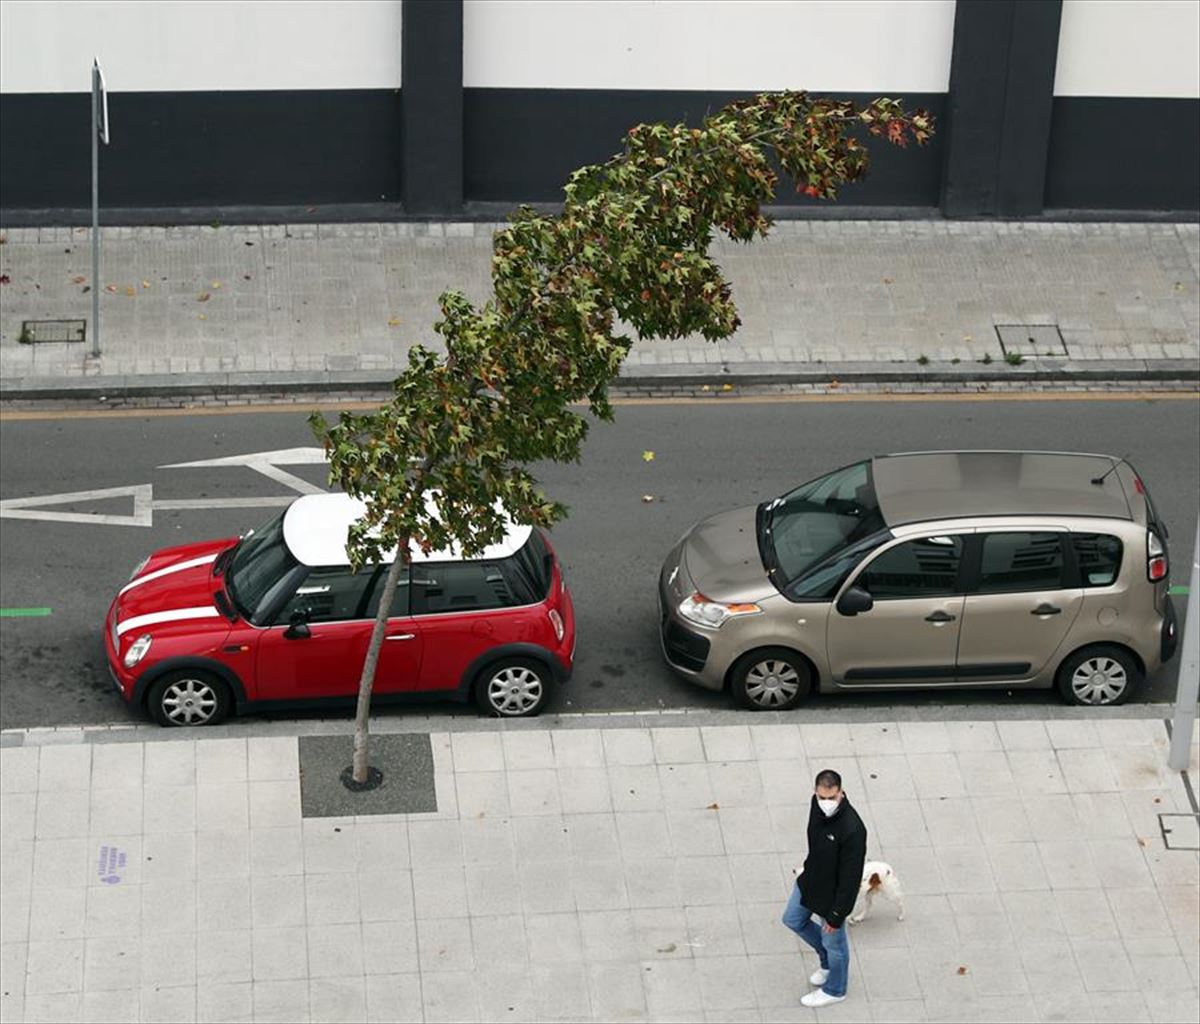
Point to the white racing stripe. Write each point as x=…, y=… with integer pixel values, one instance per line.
x=203, y=612
x=159, y=573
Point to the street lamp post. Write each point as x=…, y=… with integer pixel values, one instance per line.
x=99, y=134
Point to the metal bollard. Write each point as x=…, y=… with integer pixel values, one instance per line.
x=1188, y=688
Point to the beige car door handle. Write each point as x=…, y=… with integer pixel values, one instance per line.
x=401, y=636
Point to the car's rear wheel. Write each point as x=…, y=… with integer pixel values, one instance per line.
x=188, y=698
x=513, y=688
x=770, y=679
x=1099, y=676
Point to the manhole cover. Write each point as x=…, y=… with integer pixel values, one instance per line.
x=1031, y=340
x=37, y=332
x=1180, y=831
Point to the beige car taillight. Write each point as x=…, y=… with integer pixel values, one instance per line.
x=1156, y=564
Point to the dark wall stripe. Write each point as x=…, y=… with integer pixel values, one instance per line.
x=203, y=148
x=522, y=144
x=1124, y=153
x=431, y=66
x=998, y=111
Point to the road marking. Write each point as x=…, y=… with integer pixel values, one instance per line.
x=24, y=613
x=717, y=398
x=144, y=503
x=34, y=508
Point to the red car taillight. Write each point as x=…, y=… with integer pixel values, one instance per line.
x=1156, y=564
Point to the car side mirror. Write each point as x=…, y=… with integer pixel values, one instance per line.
x=297, y=627
x=855, y=600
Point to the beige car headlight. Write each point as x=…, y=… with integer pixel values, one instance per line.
x=713, y=614
x=137, y=650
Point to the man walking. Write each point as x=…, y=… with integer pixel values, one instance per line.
x=827, y=887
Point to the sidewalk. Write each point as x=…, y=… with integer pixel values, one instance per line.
x=599, y=869
x=279, y=307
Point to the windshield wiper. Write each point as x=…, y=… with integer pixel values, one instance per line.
x=766, y=547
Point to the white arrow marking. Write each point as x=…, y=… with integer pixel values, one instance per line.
x=268, y=463
x=32, y=508
x=280, y=457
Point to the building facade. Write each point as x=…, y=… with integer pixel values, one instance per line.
x=382, y=109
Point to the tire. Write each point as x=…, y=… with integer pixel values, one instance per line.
x=168, y=699
x=770, y=679
x=1099, y=676
x=513, y=688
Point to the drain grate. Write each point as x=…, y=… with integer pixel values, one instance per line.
x=1180, y=831
x=1031, y=340
x=37, y=332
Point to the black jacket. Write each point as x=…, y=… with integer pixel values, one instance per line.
x=837, y=850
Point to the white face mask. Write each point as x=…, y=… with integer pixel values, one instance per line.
x=828, y=806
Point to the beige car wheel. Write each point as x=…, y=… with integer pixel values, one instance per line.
x=770, y=679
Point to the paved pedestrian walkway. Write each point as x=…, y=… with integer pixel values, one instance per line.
x=625, y=871
x=342, y=303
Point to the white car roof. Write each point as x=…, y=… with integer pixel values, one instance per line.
x=315, y=529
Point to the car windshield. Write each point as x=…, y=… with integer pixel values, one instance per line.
x=802, y=529
x=260, y=562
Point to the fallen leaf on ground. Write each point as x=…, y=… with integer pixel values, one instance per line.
x=647, y=456
x=647, y=498
x=129, y=290
x=145, y=284
x=670, y=947
x=704, y=388
x=726, y=387
x=887, y=280
x=1141, y=841
x=203, y=317
x=203, y=297
x=5, y=279
x=216, y=285
x=78, y=279
x=833, y=383
x=245, y=277
x=962, y=970
x=713, y=807
x=87, y=288
x=394, y=321
x=311, y=209
x=111, y=288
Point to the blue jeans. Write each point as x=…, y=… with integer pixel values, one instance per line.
x=832, y=947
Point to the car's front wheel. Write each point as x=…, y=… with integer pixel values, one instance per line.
x=188, y=697
x=513, y=688
x=770, y=679
x=1099, y=676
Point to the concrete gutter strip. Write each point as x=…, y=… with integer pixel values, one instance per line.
x=845, y=374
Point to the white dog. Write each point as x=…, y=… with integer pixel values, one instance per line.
x=878, y=879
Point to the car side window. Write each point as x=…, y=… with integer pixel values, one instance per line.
x=927, y=567
x=329, y=594
x=1099, y=558
x=1012, y=562
x=439, y=587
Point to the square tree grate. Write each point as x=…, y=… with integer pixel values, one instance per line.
x=1031, y=340
x=36, y=332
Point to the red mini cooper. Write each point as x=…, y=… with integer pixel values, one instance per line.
x=279, y=618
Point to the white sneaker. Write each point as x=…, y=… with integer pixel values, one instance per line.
x=818, y=977
x=820, y=998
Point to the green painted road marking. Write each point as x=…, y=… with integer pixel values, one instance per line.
x=24, y=613
x=1178, y=590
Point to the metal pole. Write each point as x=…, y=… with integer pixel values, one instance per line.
x=1188, y=688
x=95, y=209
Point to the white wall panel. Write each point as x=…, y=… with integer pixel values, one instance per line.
x=190, y=45
x=1129, y=48
x=848, y=45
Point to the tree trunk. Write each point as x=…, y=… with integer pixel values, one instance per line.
x=362, y=716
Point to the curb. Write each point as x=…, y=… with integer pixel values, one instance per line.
x=846, y=375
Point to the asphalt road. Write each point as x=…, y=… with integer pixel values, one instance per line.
x=707, y=457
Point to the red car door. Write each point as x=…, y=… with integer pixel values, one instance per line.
x=324, y=656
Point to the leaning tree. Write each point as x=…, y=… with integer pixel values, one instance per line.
x=444, y=463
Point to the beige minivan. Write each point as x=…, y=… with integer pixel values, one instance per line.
x=932, y=570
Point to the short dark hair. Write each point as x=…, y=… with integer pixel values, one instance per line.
x=828, y=779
